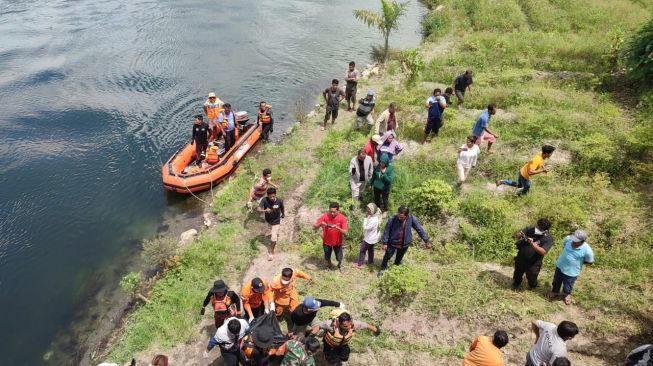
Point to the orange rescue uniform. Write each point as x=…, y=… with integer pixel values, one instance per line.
x=285, y=296
x=483, y=353
x=255, y=300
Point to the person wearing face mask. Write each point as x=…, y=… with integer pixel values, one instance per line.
x=225, y=302
x=284, y=294
x=533, y=242
x=304, y=316
x=338, y=331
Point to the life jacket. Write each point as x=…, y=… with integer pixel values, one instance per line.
x=333, y=337
x=264, y=117
x=225, y=119
x=224, y=308
x=213, y=110
x=365, y=107
x=247, y=347
x=212, y=156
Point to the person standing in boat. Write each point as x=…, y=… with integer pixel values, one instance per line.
x=265, y=119
x=213, y=108
x=227, y=121
x=200, y=136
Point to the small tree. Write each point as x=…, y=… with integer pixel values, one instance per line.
x=639, y=55
x=385, y=21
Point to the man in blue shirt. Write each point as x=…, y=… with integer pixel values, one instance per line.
x=576, y=252
x=228, y=120
x=480, y=129
x=397, y=236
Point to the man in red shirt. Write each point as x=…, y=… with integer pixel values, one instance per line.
x=334, y=226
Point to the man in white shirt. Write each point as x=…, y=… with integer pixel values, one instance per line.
x=549, y=342
x=228, y=337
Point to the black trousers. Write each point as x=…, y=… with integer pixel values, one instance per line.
x=336, y=355
x=229, y=139
x=230, y=357
x=381, y=198
x=200, y=147
x=532, y=270
x=390, y=252
x=265, y=131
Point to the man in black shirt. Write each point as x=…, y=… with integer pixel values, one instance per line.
x=304, y=315
x=461, y=84
x=225, y=302
x=274, y=212
x=200, y=136
x=533, y=243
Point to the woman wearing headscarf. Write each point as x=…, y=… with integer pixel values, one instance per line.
x=371, y=224
x=389, y=145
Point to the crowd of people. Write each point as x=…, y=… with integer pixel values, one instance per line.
x=248, y=323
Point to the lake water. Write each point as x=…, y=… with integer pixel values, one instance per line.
x=95, y=95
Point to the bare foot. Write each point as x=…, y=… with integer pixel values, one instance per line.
x=498, y=182
x=322, y=128
x=270, y=257
x=567, y=300
x=356, y=266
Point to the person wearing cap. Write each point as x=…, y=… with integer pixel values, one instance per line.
x=200, y=137
x=305, y=315
x=228, y=337
x=533, y=242
x=360, y=173
x=334, y=226
x=338, y=331
x=397, y=236
x=575, y=253
x=257, y=298
x=297, y=353
x=371, y=147
x=257, y=348
x=212, y=109
x=486, y=351
x=387, y=120
x=382, y=178
x=225, y=302
x=274, y=211
x=265, y=120
x=371, y=235
x=333, y=95
x=284, y=293
x=533, y=167
x=435, y=104
x=351, y=78
x=227, y=122
x=365, y=109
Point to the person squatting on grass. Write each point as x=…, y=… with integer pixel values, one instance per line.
x=486, y=351
x=575, y=253
x=274, y=212
x=397, y=236
x=435, y=104
x=371, y=234
x=549, y=342
x=481, y=128
x=228, y=337
x=533, y=242
x=257, y=298
x=225, y=303
x=338, y=331
x=532, y=167
x=334, y=226
x=381, y=182
x=285, y=294
x=467, y=157
x=360, y=173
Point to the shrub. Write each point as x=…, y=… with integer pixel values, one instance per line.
x=131, y=283
x=412, y=64
x=156, y=252
x=403, y=280
x=432, y=198
x=639, y=55
x=435, y=24
x=598, y=153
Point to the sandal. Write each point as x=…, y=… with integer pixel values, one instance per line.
x=567, y=300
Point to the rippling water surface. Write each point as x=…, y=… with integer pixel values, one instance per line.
x=94, y=96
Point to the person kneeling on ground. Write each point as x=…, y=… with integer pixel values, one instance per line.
x=397, y=236
x=298, y=353
x=533, y=167
x=225, y=303
x=486, y=351
x=549, y=342
x=338, y=331
x=304, y=317
x=228, y=337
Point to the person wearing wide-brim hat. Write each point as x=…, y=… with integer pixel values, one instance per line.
x=576, y=252
x=225, y=302
x=257, y=347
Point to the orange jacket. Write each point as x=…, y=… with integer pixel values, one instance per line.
x=253, y=300
x=287, y=294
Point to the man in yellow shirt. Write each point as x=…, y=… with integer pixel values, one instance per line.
x=486, y=351
x=533, y=167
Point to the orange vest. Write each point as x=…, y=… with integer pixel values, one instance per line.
x=224, y=308
x=334, y=338
x=212, y=155
x=253, y=299
x=213, y=110
x=264, y=117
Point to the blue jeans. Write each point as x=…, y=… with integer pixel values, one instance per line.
x=336, y=249
x=561, y=279
x=523, y=183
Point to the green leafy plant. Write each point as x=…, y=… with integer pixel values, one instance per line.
x=131, y=283
x=639, y=54
x=386, y=21
x=412, y=64
x=431, y=198
x=157, y=252
x=403, y=280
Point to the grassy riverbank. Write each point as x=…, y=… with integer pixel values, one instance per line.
x=545, y=63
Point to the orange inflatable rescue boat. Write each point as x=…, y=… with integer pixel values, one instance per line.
x=180, y=173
